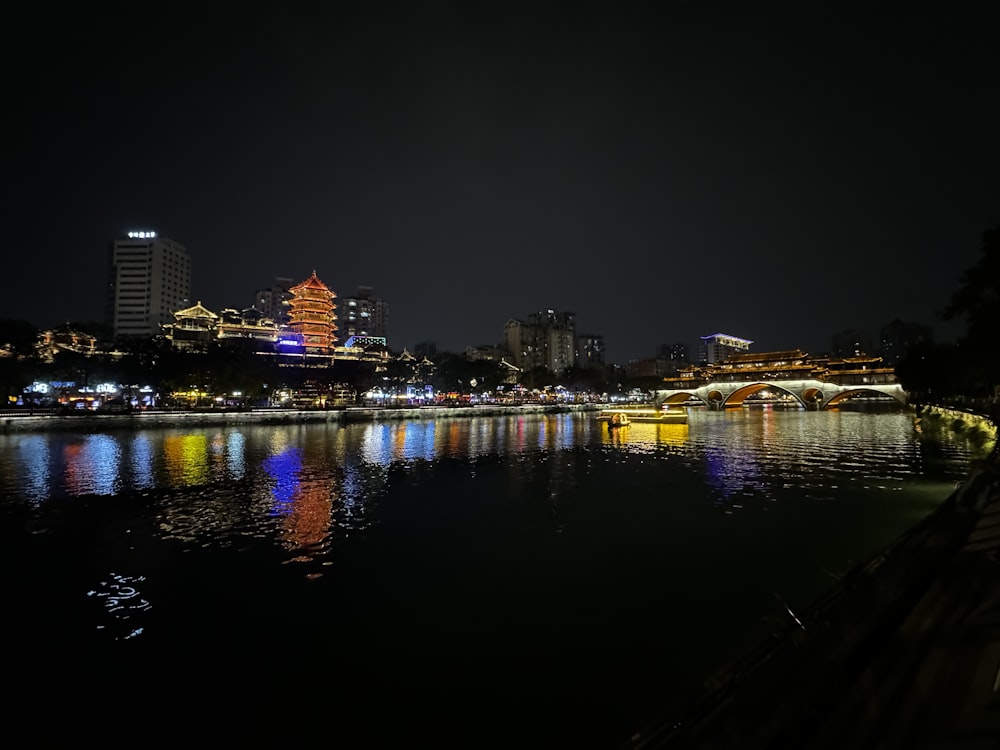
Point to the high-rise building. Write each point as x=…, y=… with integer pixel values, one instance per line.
x=898, y=337
x=149, y=278
x=590, y=350
x=363, y=315
x=547, y=340
x=718, y=346
x=850, y=343
x=313, y=315
x=677, y=354
x=273, y=302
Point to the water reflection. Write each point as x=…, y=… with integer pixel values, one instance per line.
x=304, y=504
x=306, y=527
x=642, y=436
x=440, y=547
x=35, y=458
x=123, y=603
x=142, y=462
x=92, y=465
x=186, y=458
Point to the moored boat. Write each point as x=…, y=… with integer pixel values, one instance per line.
x=622, y=417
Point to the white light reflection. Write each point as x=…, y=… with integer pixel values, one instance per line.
x=35, y=458
x=93, y=465
x=120, y=597
x=236, y=455
x=142, y=462
x=376, y=444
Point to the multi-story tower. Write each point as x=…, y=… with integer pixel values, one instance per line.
x=850, y=343
x=521, y=340
x=678, y=353
x=589, y=350
x=273, y=301
x=898, y=337
x=148, y=280
x=718, y=346
x=548, y=340
x=364, y=315
x=313, y=315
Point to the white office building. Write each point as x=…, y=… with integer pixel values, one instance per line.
x=148, y=280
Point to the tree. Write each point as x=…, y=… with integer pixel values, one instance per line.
x=19, y=335
x=977, y=300
x=538, y=377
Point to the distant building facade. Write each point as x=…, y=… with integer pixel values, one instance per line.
x=898, y=337
x=274, y=301
x=719, y=346
x=850, y=343
x=590, y=351
x=149, y=278
x=363, y=314
x=677, y=354
x=547, y=339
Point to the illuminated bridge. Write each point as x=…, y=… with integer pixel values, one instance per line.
x=814, y=382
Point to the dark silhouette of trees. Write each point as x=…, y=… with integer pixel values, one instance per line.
x=977, y=300
x=970, y=368
x=537, y=378
x=360, y=375
x=19, y=336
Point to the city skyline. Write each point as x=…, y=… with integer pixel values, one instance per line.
x=663, y=173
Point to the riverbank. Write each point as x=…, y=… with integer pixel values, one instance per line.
x=28, y=422
x=900, y=653
x=978, y=426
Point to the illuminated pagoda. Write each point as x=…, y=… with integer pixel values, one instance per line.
x=312, y=315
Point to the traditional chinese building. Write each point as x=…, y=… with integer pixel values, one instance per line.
x=63, y=339
x=193, y=328
x=248, y=324
x=312, y=315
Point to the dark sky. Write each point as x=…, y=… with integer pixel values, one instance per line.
x=665, y=171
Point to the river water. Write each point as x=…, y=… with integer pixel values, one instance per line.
x=518, y=581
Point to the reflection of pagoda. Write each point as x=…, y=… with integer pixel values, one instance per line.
x=312, y=315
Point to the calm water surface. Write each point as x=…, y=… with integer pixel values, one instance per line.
x=529, y=581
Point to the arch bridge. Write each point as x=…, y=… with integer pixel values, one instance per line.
x=811, y=394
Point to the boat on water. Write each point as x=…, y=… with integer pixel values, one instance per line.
x=617, y=418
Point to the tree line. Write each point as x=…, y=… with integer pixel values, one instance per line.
x=969, y=368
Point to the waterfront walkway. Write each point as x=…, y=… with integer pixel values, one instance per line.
x=904, y=653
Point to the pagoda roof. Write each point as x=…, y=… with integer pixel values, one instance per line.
x=196, y=311
x=312, y=282
x=766, y=356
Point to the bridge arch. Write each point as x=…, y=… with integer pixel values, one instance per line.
x=813, y=396
x=680, y=397
x=738, y=396
x=844, y=395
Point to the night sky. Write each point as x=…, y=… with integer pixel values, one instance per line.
x=665, y=171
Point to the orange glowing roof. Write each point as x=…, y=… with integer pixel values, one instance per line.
x=312, y=282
